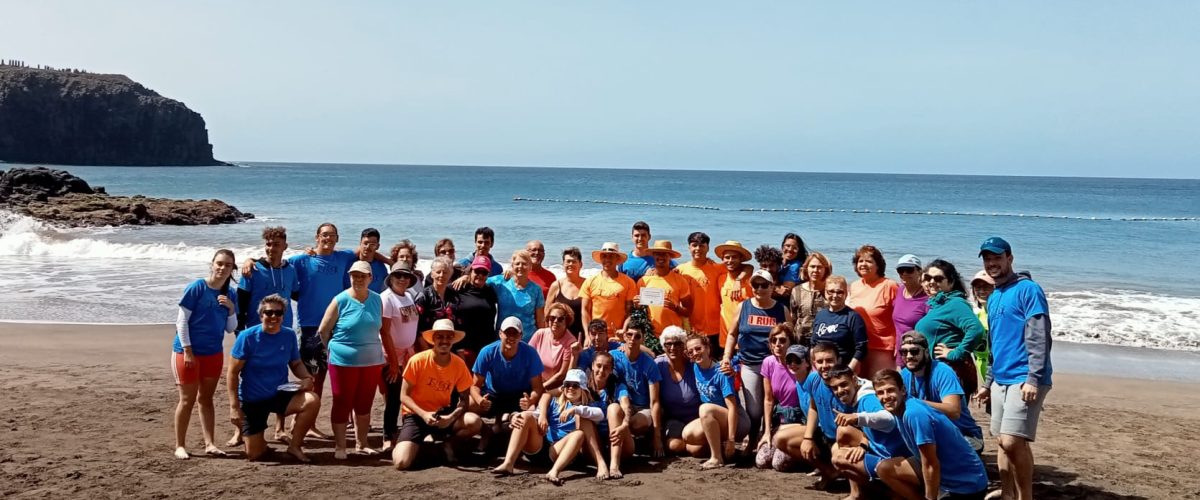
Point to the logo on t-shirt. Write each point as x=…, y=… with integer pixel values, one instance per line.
x=760, y=320
x=826, y=329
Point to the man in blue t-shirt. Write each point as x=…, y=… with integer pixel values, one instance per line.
x=484, y=239
x=508, y=375
x=942, y=463
x=368, y=248
x=867, y=434
x=937, y=385
x=271, y=275
x=258, y=381
x=1019, y=373
x=640, y=259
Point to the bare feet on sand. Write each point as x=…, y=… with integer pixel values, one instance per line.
x=711, y=463
x=602, y=472
x=554, y=479
x=298, y=454
x=181, y=453
x=340, y=454
x=615, y=473
x=236, y=440
x=317, y=434
x=212, y=451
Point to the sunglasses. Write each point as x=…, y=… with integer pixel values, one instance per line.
x=911, y=351
x=835, y=292
x=905, y=270
x=570, y=385
x=273, y=313
x=760, y=285
x=556, y=319
x=936, y=279
x=779, y=340
x=673, y=344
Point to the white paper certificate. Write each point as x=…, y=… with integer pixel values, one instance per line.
x=652, y=296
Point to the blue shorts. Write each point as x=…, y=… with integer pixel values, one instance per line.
x=870, y=462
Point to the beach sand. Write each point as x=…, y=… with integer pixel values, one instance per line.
x=86, y=412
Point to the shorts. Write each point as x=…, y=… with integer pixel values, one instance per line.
x=824, y=450
x=1011, y=415
x=674, y=428
x=976, y=444
x=502, y=403
x=312, y=352
x=871, y=462
x=414, y=430
x=257, y=411
x=915, y=463
x=207, y=366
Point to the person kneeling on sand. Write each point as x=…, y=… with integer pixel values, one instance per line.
x=258, y=381
x=431, y=378
x=566, y=422
x=723, y=422
x=865, y=437
x=813, y=442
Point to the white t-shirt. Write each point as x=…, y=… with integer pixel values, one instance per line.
x=403, y=328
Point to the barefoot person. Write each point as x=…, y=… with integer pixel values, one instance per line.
x=1019, y=378
x=936, y=384
x=350, y=331
x=722, y=422
x=566, y=422
x=641, y=412
x=507, y=376
x=680, y=401
x=431, y=378
x=606, y=391
x=941, y=463
x=207, y=310
x=814, y=445
x=258, y=381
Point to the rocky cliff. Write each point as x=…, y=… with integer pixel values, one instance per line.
x=59, y=197
x=75, y=118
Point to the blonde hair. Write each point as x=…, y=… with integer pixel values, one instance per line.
x=819, y=257
x=522, y=254
x=836, y=280
x=585, y=397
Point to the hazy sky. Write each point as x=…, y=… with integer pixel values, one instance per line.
x=1037, y=88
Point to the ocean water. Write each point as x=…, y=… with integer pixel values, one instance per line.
x=1115, y=255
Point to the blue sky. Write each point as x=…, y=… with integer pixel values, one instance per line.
x=1013, y=88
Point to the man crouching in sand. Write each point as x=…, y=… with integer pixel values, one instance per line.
x=258, y=381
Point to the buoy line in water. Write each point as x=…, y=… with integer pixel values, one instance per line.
x=617, y=202
x=968, y=214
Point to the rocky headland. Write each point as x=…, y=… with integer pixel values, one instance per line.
x=59, y=197
x=72, y=117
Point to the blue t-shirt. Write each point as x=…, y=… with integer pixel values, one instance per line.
x=637, y=375
x=496, y=268
x=266, y=280
x=520, y=302
x=882, y=444
x=508, y=376
x=322, y=277
x=826, y=402
x=355, y=340
x=636, y=267
x=588, y=355
x=206, y=325
x=267, y=357
x=804, y=396
x=962, y=471
x=845, y=329
x=712, y=384
x=791, y=272
x=558, y=429
x=1009, y=307
x=680, y=400
x=754, y=326
x=941, y=383
x=379, y=274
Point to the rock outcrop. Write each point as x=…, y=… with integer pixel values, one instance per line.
x=58, y=196
x=69, y=117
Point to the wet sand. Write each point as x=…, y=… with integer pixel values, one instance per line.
x=87, y=411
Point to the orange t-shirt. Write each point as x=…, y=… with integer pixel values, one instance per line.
x=431, y=384
x=608, y=297
x=676, y=287
x=874, y=303
x=729, y=318
x=706, y=295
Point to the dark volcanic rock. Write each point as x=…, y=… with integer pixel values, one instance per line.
x=57, y=196
x=75, y=118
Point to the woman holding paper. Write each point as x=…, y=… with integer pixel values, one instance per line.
x=666, y=293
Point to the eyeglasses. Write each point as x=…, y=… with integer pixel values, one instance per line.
x=936, y=279
x=760, y=285
x=555, y=318
x=673, y=344
x=911, y=351
x=273, y=313
x=780, y=340
x=835, y=292
x=570, y=385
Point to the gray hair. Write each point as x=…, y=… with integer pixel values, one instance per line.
x=274, y=298
x=673, y=332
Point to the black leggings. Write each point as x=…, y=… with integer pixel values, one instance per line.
x=391, y=407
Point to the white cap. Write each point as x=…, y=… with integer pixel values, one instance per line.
x=764, y=274
x=511, y=322
x=576, y=375
x=908, y=260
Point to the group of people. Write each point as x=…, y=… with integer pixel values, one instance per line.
x=866, y=380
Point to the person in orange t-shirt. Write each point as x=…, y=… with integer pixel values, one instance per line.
x=733, y=290
x=609, y=294
x=871, y=297
x=430, y=377
x=677, y=290
x=703, y=274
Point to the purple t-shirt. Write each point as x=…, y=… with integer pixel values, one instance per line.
x=783, y=384
x=907, y=312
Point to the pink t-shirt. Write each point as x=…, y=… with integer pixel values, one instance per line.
x=907, y=312
x=554, y=353
x=783, y=384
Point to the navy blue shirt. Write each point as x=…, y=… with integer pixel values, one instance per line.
x=845, y=329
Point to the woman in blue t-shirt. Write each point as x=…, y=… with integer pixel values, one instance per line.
x=718, y=405
x=206, y=311
x=351, y=333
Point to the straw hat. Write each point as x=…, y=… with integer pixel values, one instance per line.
x=443, y=325
x=611, y=248
x=664, y=246
x=734, y=246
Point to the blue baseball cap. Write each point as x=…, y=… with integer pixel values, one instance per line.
x=995, y=245
x=799, y=351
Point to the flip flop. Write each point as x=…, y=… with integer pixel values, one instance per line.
x=215, y=452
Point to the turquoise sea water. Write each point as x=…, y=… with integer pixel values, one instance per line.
x=1123, y=282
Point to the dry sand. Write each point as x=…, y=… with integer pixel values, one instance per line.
x=86, y=412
